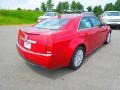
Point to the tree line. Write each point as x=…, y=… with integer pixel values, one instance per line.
x=62, y=7
x=76, y=7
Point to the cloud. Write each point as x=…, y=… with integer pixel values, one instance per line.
x=93, y=3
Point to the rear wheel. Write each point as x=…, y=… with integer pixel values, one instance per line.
x=77, y=58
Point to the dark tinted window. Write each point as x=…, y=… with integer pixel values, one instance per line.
x=85, y=23
x=95, y=21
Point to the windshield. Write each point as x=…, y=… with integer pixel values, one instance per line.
x=112, y=14
x=52, y=24
x=49, y=14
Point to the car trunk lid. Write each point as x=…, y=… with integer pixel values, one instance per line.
x=34, y=39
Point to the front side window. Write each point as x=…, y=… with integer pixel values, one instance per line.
x=95, y=21
x=85, y=23
x=52, y=24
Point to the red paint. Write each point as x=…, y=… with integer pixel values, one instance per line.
x=54, y=49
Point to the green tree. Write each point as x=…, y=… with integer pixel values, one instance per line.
x=59, y=7
x=79, y=6
x=19, y=9
x=97, y=10
x=62, y=7
x=89, y=8
x=65, y=6
x=109, y=7
x=117, y=5
x=43, y=7
x=73, y=6
x=49, y=5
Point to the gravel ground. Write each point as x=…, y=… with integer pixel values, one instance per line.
x=100, y=71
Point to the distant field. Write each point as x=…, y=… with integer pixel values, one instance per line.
x=10, y=17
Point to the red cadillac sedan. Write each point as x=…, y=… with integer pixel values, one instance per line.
x=62, y=41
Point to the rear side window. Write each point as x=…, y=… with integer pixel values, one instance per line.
x=85, y=23
x=95, y=21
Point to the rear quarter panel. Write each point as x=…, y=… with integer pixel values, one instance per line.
x=65, y=42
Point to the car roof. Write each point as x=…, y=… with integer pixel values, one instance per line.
x=72, y=16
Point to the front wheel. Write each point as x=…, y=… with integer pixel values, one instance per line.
x=77, y=58
x=108, y=38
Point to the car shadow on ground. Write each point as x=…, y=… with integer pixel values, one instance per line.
x=52, y=74
x=59, y=73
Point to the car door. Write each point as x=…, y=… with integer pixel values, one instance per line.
x=100, y=36
x=87, y=32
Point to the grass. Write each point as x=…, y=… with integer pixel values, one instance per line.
x=12, y=17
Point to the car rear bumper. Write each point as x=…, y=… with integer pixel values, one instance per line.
x=40, y=59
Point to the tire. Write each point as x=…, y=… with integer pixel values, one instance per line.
x=77, y=58
x=108, y=39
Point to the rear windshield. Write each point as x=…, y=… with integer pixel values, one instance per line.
x=52, y=24
x=112, y=13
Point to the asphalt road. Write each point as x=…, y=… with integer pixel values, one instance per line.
x=100, y=71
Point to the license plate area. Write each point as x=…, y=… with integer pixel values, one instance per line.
x=27, y=45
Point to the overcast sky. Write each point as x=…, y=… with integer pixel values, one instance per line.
x=32, y=4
